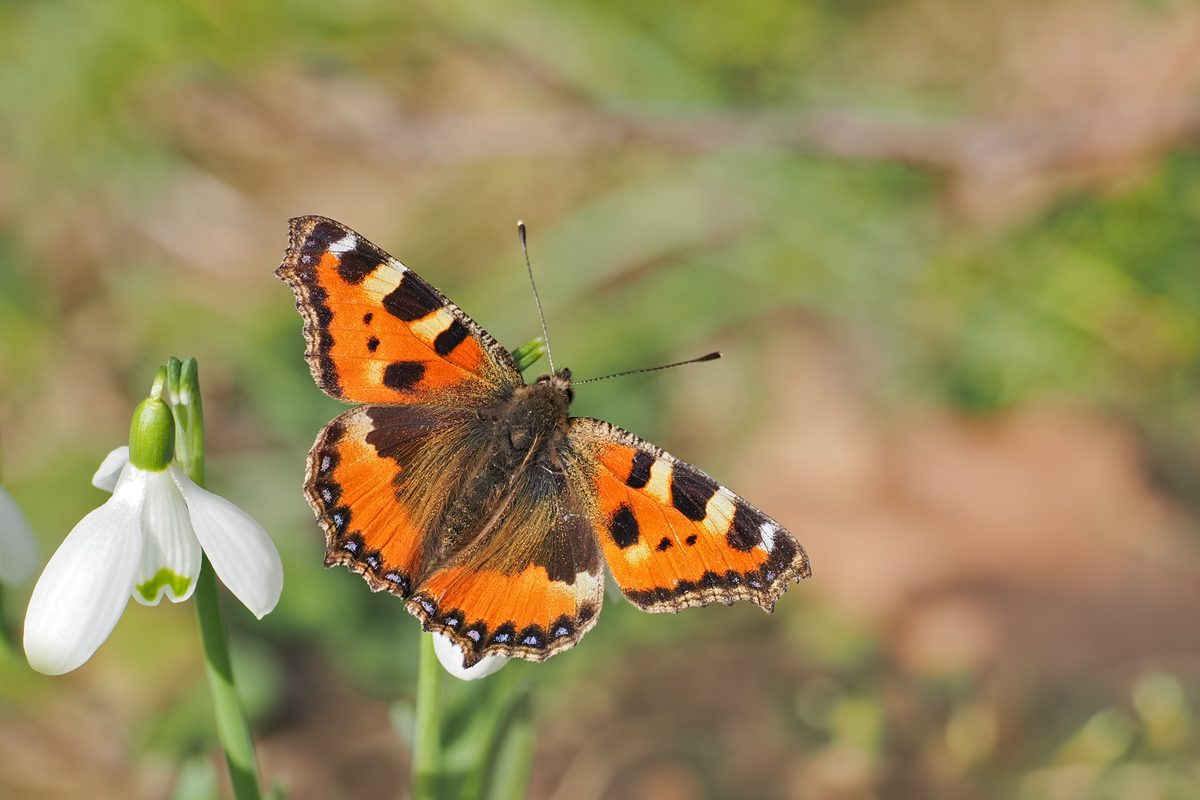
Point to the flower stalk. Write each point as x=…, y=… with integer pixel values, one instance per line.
x=427, y=747
x=233, y=727
x=183, y=386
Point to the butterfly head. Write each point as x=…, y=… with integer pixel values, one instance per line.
x=559, y=381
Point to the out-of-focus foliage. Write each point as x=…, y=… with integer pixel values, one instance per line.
x=883, y=211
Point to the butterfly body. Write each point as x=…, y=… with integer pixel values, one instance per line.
x=476, y=497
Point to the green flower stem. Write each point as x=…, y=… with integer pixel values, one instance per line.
x=427, y=748
x=233, y=727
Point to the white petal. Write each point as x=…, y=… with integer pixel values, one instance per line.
x=18, y=548
x=110, y=469
x=170, y=552
x=240, y=550
x=85, y=587
x=451, y=656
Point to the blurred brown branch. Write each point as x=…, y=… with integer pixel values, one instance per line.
x=998, y=169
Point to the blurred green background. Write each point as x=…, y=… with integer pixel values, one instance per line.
x=950, y=251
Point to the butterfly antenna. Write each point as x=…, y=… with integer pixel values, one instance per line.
x=710, y=357
x=536, y=299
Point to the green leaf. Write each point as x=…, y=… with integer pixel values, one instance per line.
x=488, y=739
x=513, y=751
x=197, y=780
x=529, y=353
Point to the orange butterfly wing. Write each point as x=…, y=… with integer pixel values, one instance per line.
x=377, y=333
x=673, y=537
x=365, y=481
x=530, y=586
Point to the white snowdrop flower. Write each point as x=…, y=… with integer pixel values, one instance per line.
x=146, y=541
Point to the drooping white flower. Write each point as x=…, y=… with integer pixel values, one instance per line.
x=18, y=548
x=451, y=656
x=146, y=541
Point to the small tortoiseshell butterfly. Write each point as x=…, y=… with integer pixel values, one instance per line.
x=473, y=496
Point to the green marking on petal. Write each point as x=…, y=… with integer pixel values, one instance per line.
x=164, y=577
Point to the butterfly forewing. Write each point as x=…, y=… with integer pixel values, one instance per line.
x=378, y=333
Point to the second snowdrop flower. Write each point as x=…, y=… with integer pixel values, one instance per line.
x=451, y=658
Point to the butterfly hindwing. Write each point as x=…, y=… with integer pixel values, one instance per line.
x=378, y=333
x=672, y=536
x=365, y=475
x=531, y=583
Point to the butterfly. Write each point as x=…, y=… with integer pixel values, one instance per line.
x=474, y=496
